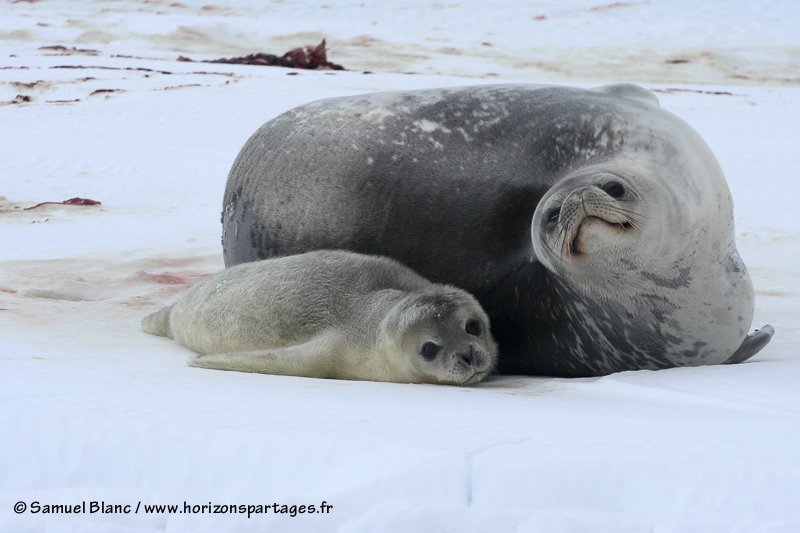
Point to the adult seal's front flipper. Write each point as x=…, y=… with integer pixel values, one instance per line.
x=751, y=345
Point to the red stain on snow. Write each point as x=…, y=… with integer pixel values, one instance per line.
x=169, y=278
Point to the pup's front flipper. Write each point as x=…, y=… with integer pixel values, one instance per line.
x=312, y=359
x=751, y=345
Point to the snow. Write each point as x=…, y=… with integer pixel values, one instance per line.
x=92, y=409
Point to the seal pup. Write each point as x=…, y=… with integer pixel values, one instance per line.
x=594, y=227
x=332, y=314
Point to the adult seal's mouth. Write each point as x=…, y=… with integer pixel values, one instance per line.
x=591, y=218
x=587, y=236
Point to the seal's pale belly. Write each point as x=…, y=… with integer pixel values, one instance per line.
x=448, y=182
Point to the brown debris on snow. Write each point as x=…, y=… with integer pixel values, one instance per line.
x=141, y=69
x=307, y=57
x=64, y=51
x=103, y=91
x=26, y=85
x=615, y=5
x=20, y=99
x=697, y=91
x=71, y=201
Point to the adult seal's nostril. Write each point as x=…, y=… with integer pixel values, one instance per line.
x=466, y=184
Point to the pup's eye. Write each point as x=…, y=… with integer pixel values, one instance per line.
x=473, y=327
x=614, y=189
x=429, y=351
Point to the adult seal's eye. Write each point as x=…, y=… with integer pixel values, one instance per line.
x=552, y=215
x=473, y=327
x=614, y=189
x=429, y=351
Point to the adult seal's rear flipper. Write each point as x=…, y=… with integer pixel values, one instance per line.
x=751, y=345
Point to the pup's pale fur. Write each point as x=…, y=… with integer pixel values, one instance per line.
x=331, y=314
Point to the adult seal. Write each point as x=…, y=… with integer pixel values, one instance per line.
x=332, y=314
x=594, y=227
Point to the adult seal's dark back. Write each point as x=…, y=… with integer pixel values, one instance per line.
x=595, y=228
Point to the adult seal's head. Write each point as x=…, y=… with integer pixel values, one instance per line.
x=594, y=227
x=641, y=245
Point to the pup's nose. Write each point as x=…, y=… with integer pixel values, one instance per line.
x=468, y=358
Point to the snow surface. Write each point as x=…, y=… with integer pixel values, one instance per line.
x=93, y=409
